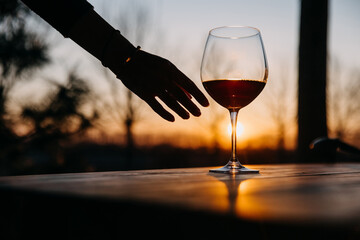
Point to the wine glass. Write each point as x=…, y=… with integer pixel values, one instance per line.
x=234, y=71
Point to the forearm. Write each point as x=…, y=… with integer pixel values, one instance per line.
x=98, y=37
x=77, y=20
x=61, y=14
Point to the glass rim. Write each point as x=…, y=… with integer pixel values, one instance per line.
x=257, y=31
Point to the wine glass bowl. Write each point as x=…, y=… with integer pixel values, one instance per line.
x=234, y=71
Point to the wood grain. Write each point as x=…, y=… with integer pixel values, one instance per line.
x=298, y=193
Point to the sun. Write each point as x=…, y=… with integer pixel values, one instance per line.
x=239, y=129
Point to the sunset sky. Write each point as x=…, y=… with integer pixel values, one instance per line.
x=177, y=30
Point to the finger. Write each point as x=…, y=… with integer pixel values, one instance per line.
x=186, y=92
x=174, y=105
x=191, y=88
x=156, y=106
x=181, y=97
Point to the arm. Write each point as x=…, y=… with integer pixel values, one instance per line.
x=147, y=75
x=77, y=20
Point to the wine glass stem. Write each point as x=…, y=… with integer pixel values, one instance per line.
x=233, y=118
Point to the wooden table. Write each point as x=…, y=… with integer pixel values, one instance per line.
x=295, y=201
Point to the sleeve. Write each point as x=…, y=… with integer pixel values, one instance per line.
x=61, y=14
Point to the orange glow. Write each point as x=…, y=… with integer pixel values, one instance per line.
x=258, y=118
x=256, y=199
x=239, y=129
x=248, y=204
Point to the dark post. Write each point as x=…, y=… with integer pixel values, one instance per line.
x=312, y=75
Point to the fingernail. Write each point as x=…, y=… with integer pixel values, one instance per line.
x=197, y=113
x=205, y=103
x=170, y=118
x=186, y=115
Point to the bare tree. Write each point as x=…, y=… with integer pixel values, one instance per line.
x=280, y=109
x=49, y=124
x=344, y=102
x=212, y=124
x=122, y=106
x=21, y=51
x=123, y=109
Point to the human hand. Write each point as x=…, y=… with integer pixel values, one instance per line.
x=150, y=76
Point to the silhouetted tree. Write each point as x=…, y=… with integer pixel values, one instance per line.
x=20, y=49
x=281, y=112
x=312, y=74
x=125, y=107
x=137, y=26
x=212, y=124
x=56, y=118
x=344, y=102
x=59, y=116
x=20, y=52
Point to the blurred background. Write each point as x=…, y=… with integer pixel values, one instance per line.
x=62, y=111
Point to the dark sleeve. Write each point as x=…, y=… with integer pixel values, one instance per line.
x=61, y=14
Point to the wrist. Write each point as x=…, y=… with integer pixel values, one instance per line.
x=117, y=51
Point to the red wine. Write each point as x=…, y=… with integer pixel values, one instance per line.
x=233, y=94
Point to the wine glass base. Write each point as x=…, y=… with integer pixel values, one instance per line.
x=234, y=168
